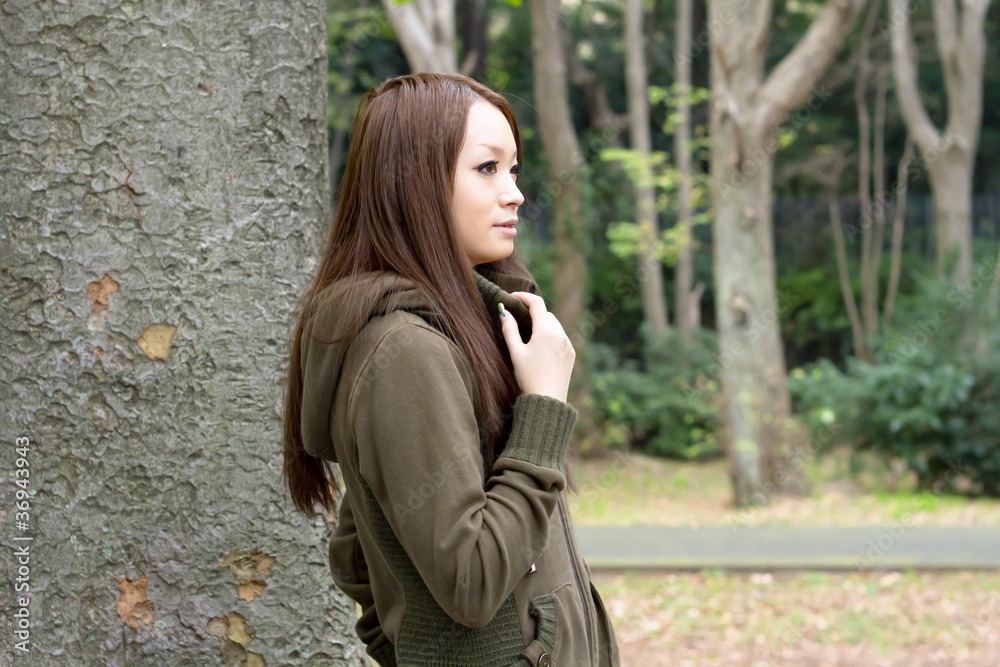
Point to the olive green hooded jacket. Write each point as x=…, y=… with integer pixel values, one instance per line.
x=451, y=564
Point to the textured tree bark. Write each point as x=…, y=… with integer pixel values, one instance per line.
x=654, y=305
x=745, y=113
x=950, y=157
x=555, y=127
x=163, y=200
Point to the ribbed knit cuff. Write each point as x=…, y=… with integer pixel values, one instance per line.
x=541, y=427
x=385, y=655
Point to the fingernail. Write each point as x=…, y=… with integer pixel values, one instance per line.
x=503, y=313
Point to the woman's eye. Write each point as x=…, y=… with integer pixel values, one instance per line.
x=516, y=169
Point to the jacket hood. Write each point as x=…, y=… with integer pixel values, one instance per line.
x=321, y=362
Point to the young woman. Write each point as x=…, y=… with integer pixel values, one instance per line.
x=425, y=363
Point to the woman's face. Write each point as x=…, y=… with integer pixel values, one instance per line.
x=486, y=193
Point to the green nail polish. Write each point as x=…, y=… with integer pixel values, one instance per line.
x=503, y=313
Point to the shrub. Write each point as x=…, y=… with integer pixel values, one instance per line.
x=932, y=397
x=666, y=404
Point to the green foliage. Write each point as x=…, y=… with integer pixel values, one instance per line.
x=656, y=170
x=669, y=408
x=932, y=397
x=817, y=323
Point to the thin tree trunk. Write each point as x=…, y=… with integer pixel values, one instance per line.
x=555, y=127
x=992, y=310
x=994, y=292
x=159, y=196
x=869, y=270
x=684, y=275
x=651, y=287
x=746, y=111
x=898, y=220
x=837, y=228
x=601, y=114
x=961, y=46
x=864, y=160
x=878, y=169
x=472, y=31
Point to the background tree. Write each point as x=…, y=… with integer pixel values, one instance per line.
x=651, y=286
x=163, y=198
x=426, y=31
x=566, y=169
x=747, y=109
x=950, y=158
x=686, y=302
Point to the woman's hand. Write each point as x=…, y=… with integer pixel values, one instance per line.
x=544, y=364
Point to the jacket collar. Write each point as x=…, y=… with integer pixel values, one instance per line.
x=322, y=363
x=496, y=288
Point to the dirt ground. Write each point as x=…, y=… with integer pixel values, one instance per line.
x=805, y=619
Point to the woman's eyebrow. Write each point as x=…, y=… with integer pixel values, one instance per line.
x=497, y=149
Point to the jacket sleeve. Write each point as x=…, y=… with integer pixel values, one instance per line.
x=350, y=574
x=471, y=540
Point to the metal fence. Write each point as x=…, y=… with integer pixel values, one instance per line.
x=802, y=227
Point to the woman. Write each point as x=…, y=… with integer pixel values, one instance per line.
x=426, y=364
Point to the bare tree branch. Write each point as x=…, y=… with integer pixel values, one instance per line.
x=898, y=219
x=904, y=71
x=791, y=82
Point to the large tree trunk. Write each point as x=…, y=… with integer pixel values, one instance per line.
x=163, y=199
x=961, y=46
x=951, y=181
x=686, y=302
x=555, y=128
x=654, y=305
x=745, y=114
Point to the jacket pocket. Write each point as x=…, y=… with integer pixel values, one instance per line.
x=604, y=620
x=554, y=613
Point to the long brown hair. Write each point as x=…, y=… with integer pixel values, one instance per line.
x=395, y=214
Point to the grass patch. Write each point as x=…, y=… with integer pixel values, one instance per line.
x=632, y=489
